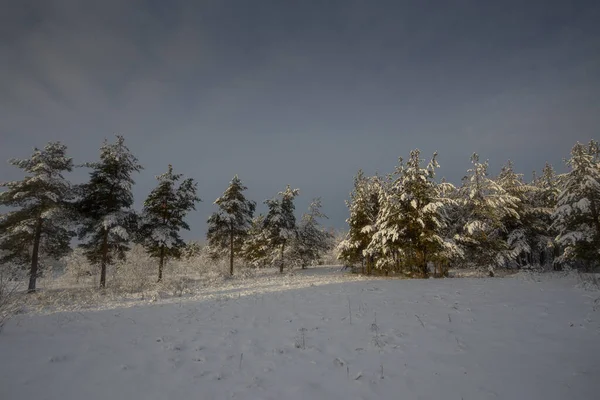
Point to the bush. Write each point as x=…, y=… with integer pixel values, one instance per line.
x=11, y=280
x=77, y=267
x=136, y=272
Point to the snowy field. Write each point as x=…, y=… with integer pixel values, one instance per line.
x=294, y=337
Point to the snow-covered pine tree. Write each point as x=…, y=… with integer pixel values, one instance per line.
x=312, y=240
x=544, y=200
x=228, y=227
x=280, y=222
x=452, y=216
x=577, y=214
x=37, y=223
x=520, y=230
x=381, y=251
x=105, y=205
x=163, y=216
x=255, y=248
x=485, y=204
x=410, y=219
x=364, y=207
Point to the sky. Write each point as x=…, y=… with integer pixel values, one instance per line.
x=298, y=92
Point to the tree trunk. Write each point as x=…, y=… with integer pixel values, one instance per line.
x=161, y=263
x=424, y=268
x=282, y=250
x=231, y=251
x=162, y=246
x=555, y=253
x=34, y=256
x=104, y=259
x=595, y=216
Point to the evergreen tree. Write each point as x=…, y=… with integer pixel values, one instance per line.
x=485, y=204
x=256, y=249
x=522, y=228
x=280, y=222
x=364, y=205
x=163, y=217
x=409, y=222
x=312, y=240
x=105, y=205
x=577, y=215
x=228, y=227
x=38, y=221
x=452, y=215
x=544, y=199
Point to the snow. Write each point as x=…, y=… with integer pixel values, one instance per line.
x=318, y=334
x=162, y=235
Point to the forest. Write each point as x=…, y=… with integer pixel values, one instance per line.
x=406, y=223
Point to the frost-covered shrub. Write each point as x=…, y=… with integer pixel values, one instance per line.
x=11, y=280
x=191, y=249
x=78, y=267
x=202, y=260
x=134, y=273
x=332, y=256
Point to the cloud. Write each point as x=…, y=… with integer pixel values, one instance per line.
x=304, y=94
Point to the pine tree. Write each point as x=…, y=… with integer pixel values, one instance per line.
x=410, y=220
x=280, y=222
x=544, y=200
x=228, y=227
x=485, y=204
x=522, y=228
x=577, y=215
x=105, y=205
x=452, y=215
x=312, y=240
x=256, y=249
x=364, y=205
x=163, y=217
x=38, y=224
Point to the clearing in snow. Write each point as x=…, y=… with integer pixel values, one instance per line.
x=349, y=339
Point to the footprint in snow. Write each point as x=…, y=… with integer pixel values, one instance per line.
x=338, y=362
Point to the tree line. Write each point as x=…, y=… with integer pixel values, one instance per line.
x=46, y=212
x=407, y=222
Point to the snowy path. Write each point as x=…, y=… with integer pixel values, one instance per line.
x=451, y=339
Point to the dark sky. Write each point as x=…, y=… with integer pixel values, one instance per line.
x=299, y=92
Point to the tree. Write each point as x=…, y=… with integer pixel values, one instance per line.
x=577, y=214
x=409, y=222
x=228, y=227
x=452, y=214
x=364, y=205
x=485, y=204
x=280, y=222
x=105, y=205
x=544, y=200
x=256, y=249
x=521, y=229
x=163, y=217
x=312, y=240
x=38, y=222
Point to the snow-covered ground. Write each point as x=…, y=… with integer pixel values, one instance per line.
x=350, y=338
